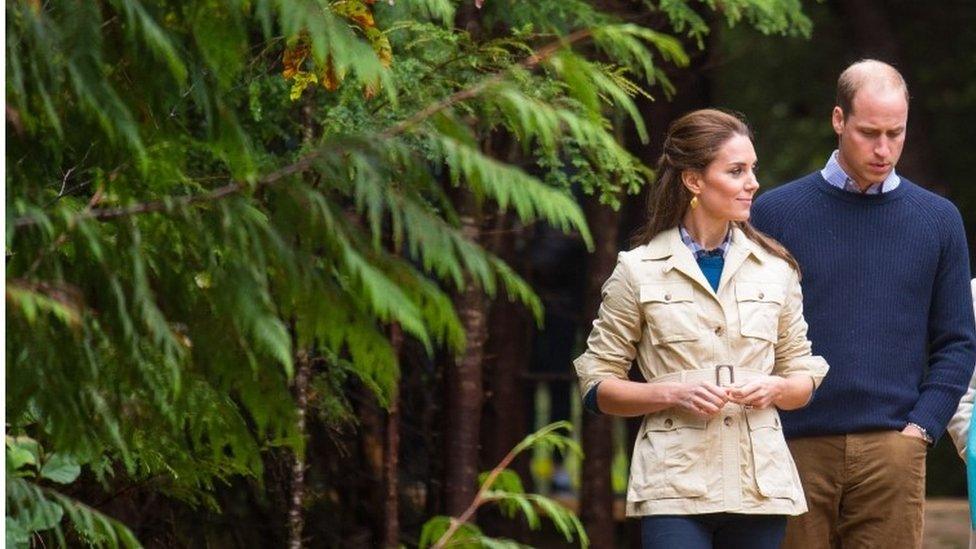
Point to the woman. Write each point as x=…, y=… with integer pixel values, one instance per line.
x=712, y=310
x=965, y=439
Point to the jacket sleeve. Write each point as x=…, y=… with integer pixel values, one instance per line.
x=612, y=343
x=952, y=336
x=793, y=350
x=959, y=424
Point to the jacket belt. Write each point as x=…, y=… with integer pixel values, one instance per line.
x=721, y=375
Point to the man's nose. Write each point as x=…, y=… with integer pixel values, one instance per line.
x=882, y=148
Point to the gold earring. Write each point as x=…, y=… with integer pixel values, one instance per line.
x=694, y=202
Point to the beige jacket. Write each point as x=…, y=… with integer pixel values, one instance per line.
x=658, y=307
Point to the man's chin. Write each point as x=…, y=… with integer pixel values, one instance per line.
x=877, y=174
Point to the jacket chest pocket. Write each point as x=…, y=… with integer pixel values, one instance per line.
x=670, y=458
x=759, y=306
x=772, y=462
x=670, y=312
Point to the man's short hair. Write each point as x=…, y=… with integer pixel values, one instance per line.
x=866, y=72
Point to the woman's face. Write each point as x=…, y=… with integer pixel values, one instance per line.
x=726, y=186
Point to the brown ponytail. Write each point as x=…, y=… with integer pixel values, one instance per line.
x=692, y=142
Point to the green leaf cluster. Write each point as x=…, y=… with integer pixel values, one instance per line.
x=34, y=506
x=178, y=228
x=503, y=487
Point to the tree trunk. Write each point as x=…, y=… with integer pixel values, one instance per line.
x=391, y=507
x=372, y=440
x=464, y=382
x=596, y=499
x=507, y=356
x=296, y=512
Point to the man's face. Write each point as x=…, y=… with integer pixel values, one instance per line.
x=872, y=136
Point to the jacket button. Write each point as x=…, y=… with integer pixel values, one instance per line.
x=668, y=423
x=761, y=295
x=728, y=421
x=667, y=297
x=718, y=330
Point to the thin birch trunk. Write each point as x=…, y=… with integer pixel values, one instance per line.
x=296, y=512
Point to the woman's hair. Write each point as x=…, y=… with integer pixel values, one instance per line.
x=692, y=143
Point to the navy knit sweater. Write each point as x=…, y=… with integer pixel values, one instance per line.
x=886, y=295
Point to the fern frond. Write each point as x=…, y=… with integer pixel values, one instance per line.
x=32, y=508
x=510, y=187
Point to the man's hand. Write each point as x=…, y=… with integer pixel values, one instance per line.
x=913, y=431
x=759, y=393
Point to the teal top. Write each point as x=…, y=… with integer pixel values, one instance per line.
x=971, y=473
x=711, y=266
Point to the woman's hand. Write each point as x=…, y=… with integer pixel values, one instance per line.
x=759, y=393
x=701, y=398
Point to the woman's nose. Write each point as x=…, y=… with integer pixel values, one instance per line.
x=752, y=183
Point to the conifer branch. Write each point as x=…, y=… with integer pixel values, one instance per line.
x=306, y=162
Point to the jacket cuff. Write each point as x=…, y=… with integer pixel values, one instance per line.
x=812, y=365
x=589, y=401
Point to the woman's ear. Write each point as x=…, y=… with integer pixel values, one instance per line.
x=692, y=181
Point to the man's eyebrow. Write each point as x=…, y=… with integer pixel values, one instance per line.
x=868, y=126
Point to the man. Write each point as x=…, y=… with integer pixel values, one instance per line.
x=885, y=273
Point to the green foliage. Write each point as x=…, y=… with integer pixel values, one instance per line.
x=180, y=223
x=783, y=17
x=504, y=487
x=33, y=508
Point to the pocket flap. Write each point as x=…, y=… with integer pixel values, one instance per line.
x=759, y=291
x=671, y=421
x=666, y=293
x=766, y=418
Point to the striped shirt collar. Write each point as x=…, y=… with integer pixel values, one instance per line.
x=698, y=251
x=836, y=176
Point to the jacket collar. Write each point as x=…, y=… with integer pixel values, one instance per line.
x=668, y=245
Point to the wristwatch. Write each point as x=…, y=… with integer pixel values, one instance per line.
x=925, y=434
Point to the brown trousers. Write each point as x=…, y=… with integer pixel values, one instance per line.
x=864, y=490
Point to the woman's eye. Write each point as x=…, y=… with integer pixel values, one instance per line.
x=736, y=171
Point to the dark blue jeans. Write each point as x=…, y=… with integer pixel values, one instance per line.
x=712, y=531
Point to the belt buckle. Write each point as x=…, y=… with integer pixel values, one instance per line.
x=718, y=374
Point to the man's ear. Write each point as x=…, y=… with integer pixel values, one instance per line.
x=837, y=120
x=692, y=181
